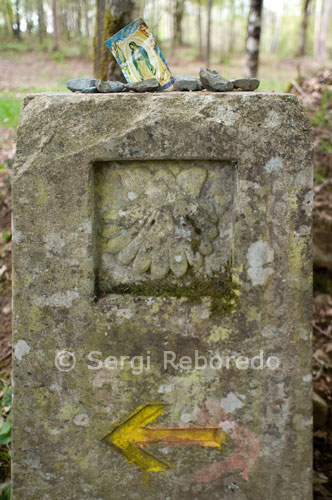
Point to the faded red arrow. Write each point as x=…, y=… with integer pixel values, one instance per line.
x=247, y=444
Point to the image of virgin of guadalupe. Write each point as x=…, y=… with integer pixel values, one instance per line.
x=141, y=61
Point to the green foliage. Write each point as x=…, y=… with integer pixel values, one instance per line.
x=15, y=46
x=5, y=433
x=323, y=117
x=6, y=236
x=5, y=491
x=10, y=108
x=322, y=282
x=326, y=145
x=320, y=174
x=57, y=56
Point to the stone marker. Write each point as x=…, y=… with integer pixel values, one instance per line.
x=162, y=297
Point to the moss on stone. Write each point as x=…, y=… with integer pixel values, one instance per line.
x=109, y=23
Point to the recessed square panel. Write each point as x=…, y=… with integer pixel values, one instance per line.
x=164, y=226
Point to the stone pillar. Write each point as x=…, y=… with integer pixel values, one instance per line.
x=164, y=241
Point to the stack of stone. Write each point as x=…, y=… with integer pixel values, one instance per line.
x=208, y=80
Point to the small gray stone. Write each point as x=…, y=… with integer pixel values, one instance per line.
x=211, y=80
x=149, y=85
x=89, y=90
x=185, y=82
x=246, y=83
x=110, y=87
x=79, y=84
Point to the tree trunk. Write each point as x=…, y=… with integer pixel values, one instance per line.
x=321, y=54
x=86, y=19
x=9, y=17
x=275, y=39
x=17, y=30
x=98, y=41
x=231, y=7
x=304, y=27
x=199, y=29
x=56, y=34
x=254, y=34
x=111, y=18
x=79, y=20
x=177, y=23
x=29, y=23
x=41, y=21
x=318, y=20
x=208, y=44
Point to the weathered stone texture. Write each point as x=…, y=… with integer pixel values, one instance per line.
x=91, y=167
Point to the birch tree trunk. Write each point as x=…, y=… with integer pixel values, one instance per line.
x=302, y=49
x=254, y=34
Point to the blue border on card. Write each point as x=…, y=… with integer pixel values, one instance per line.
x=125, y=32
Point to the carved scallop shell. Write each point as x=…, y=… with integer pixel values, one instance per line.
x=165, y=227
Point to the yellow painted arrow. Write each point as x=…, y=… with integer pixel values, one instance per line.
x=130, y=436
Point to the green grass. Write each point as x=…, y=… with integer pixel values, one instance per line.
x=15, y=46
x=320, y=173
x=10, y=108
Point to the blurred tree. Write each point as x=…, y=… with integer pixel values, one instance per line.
x=318, y=20
x=199, y=29
x=208, y=43
x=56, y=32
x=29, y=12
x=41, y=21
x=302, y=49
x=17, y=25
x=86, y=18
x=79, y=18
x=112, y=16
x=275, y=39
x=98, y=39
x=322, y=25
x=178, y=13
x=231, y=26
x=7, y=14
x=254, y=34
